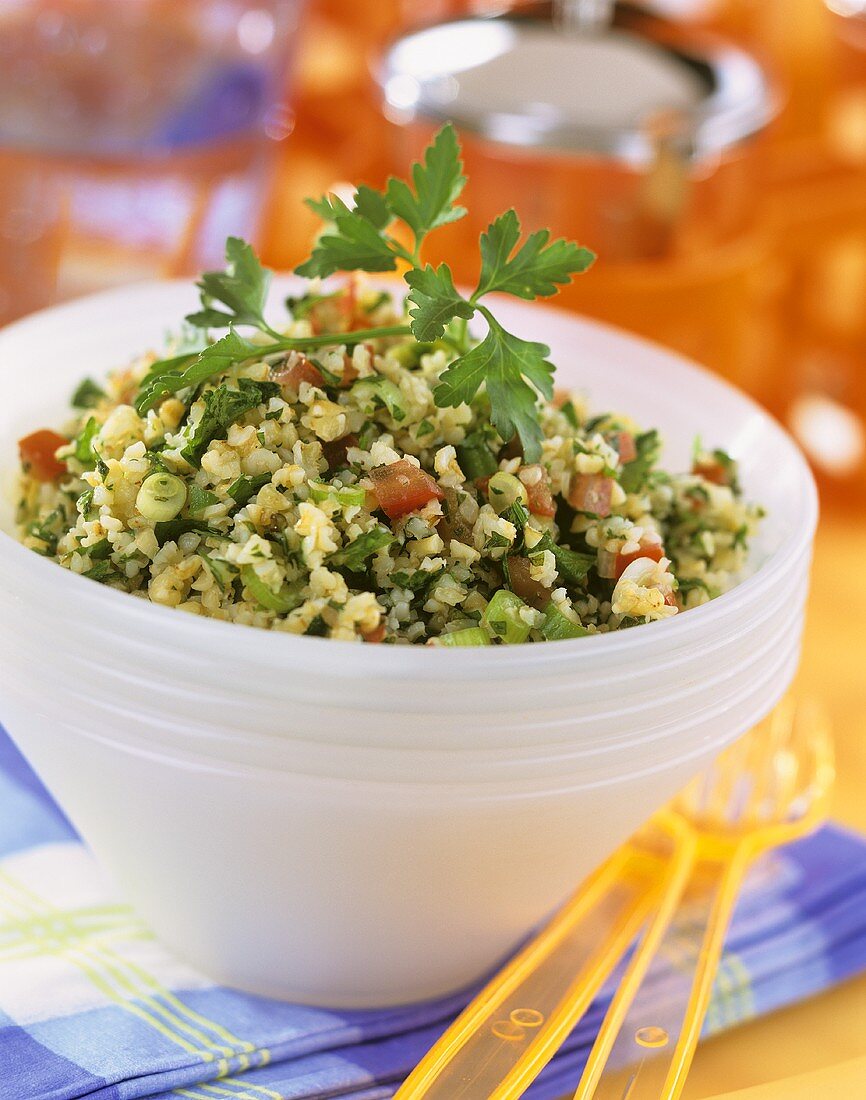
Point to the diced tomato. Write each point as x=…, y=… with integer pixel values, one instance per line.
x=540, y=497
x=350, y=373
x=335, y=451
x=37, y=455
x=290, y=376
x=625, y=445
x=402, y=488
x=376, y=635
x=711, y=470
x=523, y=585
x=652, y=550
x=591, y=493
x=671, y=599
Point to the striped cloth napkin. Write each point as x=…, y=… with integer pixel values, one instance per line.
x=92, y=1006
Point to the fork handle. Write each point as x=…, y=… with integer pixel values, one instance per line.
x=515, y=1025
x=660, y=1043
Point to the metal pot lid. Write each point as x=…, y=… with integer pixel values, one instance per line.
x=525, y=83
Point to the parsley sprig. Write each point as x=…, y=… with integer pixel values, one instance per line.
x=365, y=235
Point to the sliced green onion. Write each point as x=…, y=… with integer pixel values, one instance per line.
x=556, y=626
x=346, y=495
x=220, y=570
x=161, y=497
x=473, y=635
x=502, y=617
x=503, y=490
x=287, y=599
x=380, y=391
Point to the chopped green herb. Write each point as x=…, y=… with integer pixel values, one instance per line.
x=171, y=530
x=571, y=565
x=84, y=449
x=200, y=499
x=634, y=474
x=354, y=556
x=287, y=599
x=245, y=488
x=570, y=413
x=99, y=572
x=100, y=550
x=223, y=407
x=88, y=395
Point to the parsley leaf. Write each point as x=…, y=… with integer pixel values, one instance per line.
x=245, y=488
x=373, y=206
x=571, y=565
x=435, y=301
x=200, y=499
x=513, y=369
x=353, y=244
x=538, y=267
x=85, y=452
x=355, y=554
x=242, y=288
x=634, y=473
x=170, y=530
x=87, y=395
x=101, y=571
x=438, y=183
x=223, y=406
x=231, y=349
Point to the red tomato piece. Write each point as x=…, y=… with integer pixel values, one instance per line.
x=37, y=455
x=625, y=445
x=335, y=451
x=523, y=585
x=540, y=501
x=402, y=488
x=652, y=550
x=712, y=471
x=290, y=376
x=376, y=635
x=591, y=493
x=350, y=373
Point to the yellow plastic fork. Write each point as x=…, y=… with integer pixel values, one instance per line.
x=767, y=790
x=506, y=1036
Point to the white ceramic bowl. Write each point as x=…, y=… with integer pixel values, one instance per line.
x=367, y=825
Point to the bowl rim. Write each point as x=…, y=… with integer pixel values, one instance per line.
x=273, y=646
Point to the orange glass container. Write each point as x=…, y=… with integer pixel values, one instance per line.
x=670, y=208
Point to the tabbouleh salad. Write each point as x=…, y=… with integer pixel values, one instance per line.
x=368, y=470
